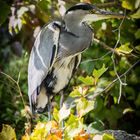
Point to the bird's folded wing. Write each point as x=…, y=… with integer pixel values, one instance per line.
x=41, y=59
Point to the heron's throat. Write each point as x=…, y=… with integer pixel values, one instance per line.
x=77, y=27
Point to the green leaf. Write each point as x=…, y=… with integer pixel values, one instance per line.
x=138, y=47
x=137, y=34
x=74, y=126
x=107, y=137
x=137, y=101
x=4, y=11
x=137, y=14
x=124, y=49
x=56, y=114
x=98, y=73
x=88, y=80
x=95, y=127
x=128, y=4
x=114, y=115
x=75, y=93
x=71, y=119
x=43, y=5
x=84, y=106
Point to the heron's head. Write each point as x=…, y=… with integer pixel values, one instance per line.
x=83, y=12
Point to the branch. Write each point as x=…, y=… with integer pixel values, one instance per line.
x=103, y=5
x=70, y=1
x=108, y=4
x=27, y=110
x=96, y=59
x=17, y=83
x=113, y=60
x=115, y=80
x=105, y=46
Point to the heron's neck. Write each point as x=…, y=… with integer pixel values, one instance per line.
x=77, y=28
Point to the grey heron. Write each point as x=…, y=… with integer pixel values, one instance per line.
x=56, y=53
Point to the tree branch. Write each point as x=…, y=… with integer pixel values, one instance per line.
x=108, y=4
x=105, y=46
x=113, y=60
x=17, y=83
x=115, y=80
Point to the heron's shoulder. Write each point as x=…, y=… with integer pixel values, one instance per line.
x=52, y=25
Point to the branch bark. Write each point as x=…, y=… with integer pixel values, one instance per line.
x=105, y=46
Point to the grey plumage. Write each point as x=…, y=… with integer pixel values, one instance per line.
x=46, y=45
x=57, y=53
x=50, y=65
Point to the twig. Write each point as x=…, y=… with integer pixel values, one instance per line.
x=18, y=77
x=119, y=33
x=17, y=83
x=115, y=80
x=108, y=4
x=96, y=59
x=70, y=1
x=105, y=46
x=119, y=78
x=20, y=93
x=120, y=92
x=113, y=60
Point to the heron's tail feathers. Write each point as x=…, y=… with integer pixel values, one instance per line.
x=39, y=101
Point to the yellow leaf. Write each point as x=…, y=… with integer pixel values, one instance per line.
x=25, y=137
x=42, y=129
x=53, y=137
x=7, y=133
x=127, y=4
x=124, y=49
x=82, y=136
x=137, y=14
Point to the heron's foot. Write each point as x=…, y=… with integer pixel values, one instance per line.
x=61, y=104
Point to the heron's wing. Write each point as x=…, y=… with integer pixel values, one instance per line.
x=41, y=59
x=71, y=44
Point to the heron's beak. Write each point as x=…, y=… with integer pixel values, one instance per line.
x=99, y=14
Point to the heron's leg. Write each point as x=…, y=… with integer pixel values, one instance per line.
x=49, y=108
x=61, y=99
x=61, y=104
